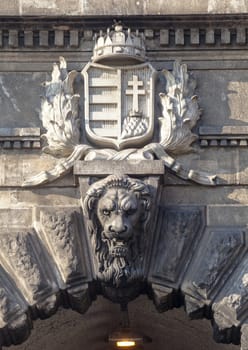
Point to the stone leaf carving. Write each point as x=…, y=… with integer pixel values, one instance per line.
x=218, y=256
x=59, y=112
x=180, y=110
x=117, y=209
x=230, y=306
x=61, y=231
x=59, y=116
x=30, y=284
x=179, y=231
x=20, y=257
x=11, y=303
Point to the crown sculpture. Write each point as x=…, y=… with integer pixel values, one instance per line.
x=119, y=44
x=120, y=121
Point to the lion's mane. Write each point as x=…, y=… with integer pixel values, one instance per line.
x=109, y=269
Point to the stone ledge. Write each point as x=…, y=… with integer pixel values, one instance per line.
x=198, y=34
x=128, y=167
x=224, y=136
x=17, y=138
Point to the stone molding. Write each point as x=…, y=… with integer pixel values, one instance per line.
x=196, y=32
x=226, y=136
x=169, y=38
x=20, y=138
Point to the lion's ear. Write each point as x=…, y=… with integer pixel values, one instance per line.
x=146, y=204
x=88, y=205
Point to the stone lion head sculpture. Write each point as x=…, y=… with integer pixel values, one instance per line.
x=117, y=210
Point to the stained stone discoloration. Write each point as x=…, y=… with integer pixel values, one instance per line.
x=116, y=7
x=193, y=250
x=18, y=94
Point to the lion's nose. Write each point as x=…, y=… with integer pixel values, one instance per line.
x=117, y=226
x=118, y=229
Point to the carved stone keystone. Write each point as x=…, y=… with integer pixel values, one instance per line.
x=117, y=210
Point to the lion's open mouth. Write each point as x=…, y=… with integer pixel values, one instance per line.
x=118, y=249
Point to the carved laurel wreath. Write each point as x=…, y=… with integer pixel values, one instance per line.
x=60, y=118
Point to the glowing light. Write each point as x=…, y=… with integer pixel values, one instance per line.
x=125, y=343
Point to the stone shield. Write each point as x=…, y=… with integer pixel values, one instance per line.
x=119, y=104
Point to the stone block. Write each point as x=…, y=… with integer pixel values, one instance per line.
x=179, y=37
x=13, y=39
x=225, y=36
x=43, y=36
x=164, y=37
x=116, y=7
x=20, y=99
x=59, y=38
x=227, y=215
x=28, y=38
x=101, y=167
x=241, y=35
x=243, y=166
x=51, y=8
x=10, y=8
x=210, y=36
x=18, y=168
x=74, y=38
x=16, y=217
x=194, y=36
x=188, y=195
x=223, y=96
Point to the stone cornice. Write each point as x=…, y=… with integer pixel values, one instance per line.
x=161, y=32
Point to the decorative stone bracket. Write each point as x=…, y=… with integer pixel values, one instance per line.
x=118, y=210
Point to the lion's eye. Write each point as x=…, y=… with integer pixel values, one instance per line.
x=106, y=212
x=130, y=211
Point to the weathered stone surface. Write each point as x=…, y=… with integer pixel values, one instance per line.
x=224, y=195
x=116, y=7
x=229, y=90
x=224, y=215
x=230, y=306
x=178, y=233
x=66, y=240
x=16, y=171
x=45, y=258
x=221, y=251
x=17, y=203
x=19, y=255
x=20, y=99
x=12, y=304
x=130, y=167
x=16, y=217
x=36, y=278
x=222, y=161
x=10, y=8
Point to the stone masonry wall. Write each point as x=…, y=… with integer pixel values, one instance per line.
x=199, y=249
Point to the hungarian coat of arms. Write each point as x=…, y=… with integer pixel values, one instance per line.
x=119, y=121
